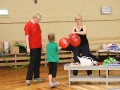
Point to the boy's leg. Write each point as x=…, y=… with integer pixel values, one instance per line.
x=54, y=73
x=31, y=65
x=51, y=69
x=37, y=63
x=50, y=78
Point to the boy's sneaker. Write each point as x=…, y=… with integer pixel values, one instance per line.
x=27, y=82
x=38, y=80
x=52, y=85
x=56, y=83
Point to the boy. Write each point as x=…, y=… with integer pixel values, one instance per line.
x=53, y=59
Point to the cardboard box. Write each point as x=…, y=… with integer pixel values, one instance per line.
x=14, y=50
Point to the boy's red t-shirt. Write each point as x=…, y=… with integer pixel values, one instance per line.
x=34, y=32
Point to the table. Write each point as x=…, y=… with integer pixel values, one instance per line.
x=106, y=79
x=108, y=52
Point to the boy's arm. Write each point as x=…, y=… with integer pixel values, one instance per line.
x=27, y=43
x=58, y=48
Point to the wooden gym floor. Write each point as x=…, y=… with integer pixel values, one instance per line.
x=14, y=79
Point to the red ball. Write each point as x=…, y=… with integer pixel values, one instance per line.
x=64, y=42
x=75, y=40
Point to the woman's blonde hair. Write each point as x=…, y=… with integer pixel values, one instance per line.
x=78, y=16
x=51, y=37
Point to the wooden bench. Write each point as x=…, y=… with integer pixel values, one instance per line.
x=23, y=58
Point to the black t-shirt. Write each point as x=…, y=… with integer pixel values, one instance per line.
x=84, y=41
x=83, y=38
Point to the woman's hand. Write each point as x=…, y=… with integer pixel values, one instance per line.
x=75, y=32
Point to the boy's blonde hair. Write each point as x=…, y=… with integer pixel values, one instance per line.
x=37, y=15
x=51, y=37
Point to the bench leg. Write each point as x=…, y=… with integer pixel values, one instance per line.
x=69, y=76
x=107, y=77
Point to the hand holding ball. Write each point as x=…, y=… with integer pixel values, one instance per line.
x=75, y=40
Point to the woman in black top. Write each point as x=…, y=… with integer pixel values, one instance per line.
x=83, y=48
